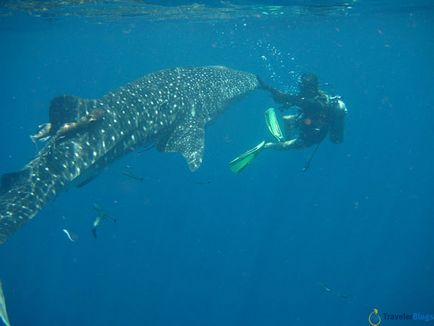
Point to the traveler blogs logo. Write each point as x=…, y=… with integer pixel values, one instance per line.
x=374, y=318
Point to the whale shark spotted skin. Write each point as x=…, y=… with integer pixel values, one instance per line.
x=168, y=109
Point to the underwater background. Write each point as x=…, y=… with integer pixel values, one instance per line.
x=270, y=246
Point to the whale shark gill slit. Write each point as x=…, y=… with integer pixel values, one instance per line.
x=169, y=109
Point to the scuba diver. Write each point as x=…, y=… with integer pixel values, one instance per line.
x=314, y=114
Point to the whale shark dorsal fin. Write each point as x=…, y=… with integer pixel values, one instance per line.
x=188, y=139
x=66, y=109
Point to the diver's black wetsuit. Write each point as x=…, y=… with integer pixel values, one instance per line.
x=318, y=115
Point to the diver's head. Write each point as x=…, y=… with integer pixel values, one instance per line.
x=309, y=85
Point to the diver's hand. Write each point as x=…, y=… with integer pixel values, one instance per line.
x=264, y=85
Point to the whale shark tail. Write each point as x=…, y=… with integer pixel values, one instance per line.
x=14, y=209
x=24, y=193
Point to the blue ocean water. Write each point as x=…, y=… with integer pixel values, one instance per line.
x=270, y=246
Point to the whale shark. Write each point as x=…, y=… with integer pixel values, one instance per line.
x=168, y=109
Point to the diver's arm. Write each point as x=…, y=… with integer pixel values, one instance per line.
x=285, y=99
x=282, y=145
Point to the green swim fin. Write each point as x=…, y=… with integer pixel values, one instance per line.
x=273, y=124
x=242, y=161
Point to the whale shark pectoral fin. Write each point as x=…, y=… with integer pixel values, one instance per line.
x=188, y=139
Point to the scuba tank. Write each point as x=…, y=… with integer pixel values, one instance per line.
x=337, y=119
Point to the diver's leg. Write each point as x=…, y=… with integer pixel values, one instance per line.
x=288, y=144
x=290, y=125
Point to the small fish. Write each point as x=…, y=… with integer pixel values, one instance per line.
x=204, y=182
x=68, y=235
x=43, y=133
x=95, y=225
x=132, y=176
x=327, y=289
x=343, y=296
x=82, y=123
x=3, y=311
x=102, y=215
